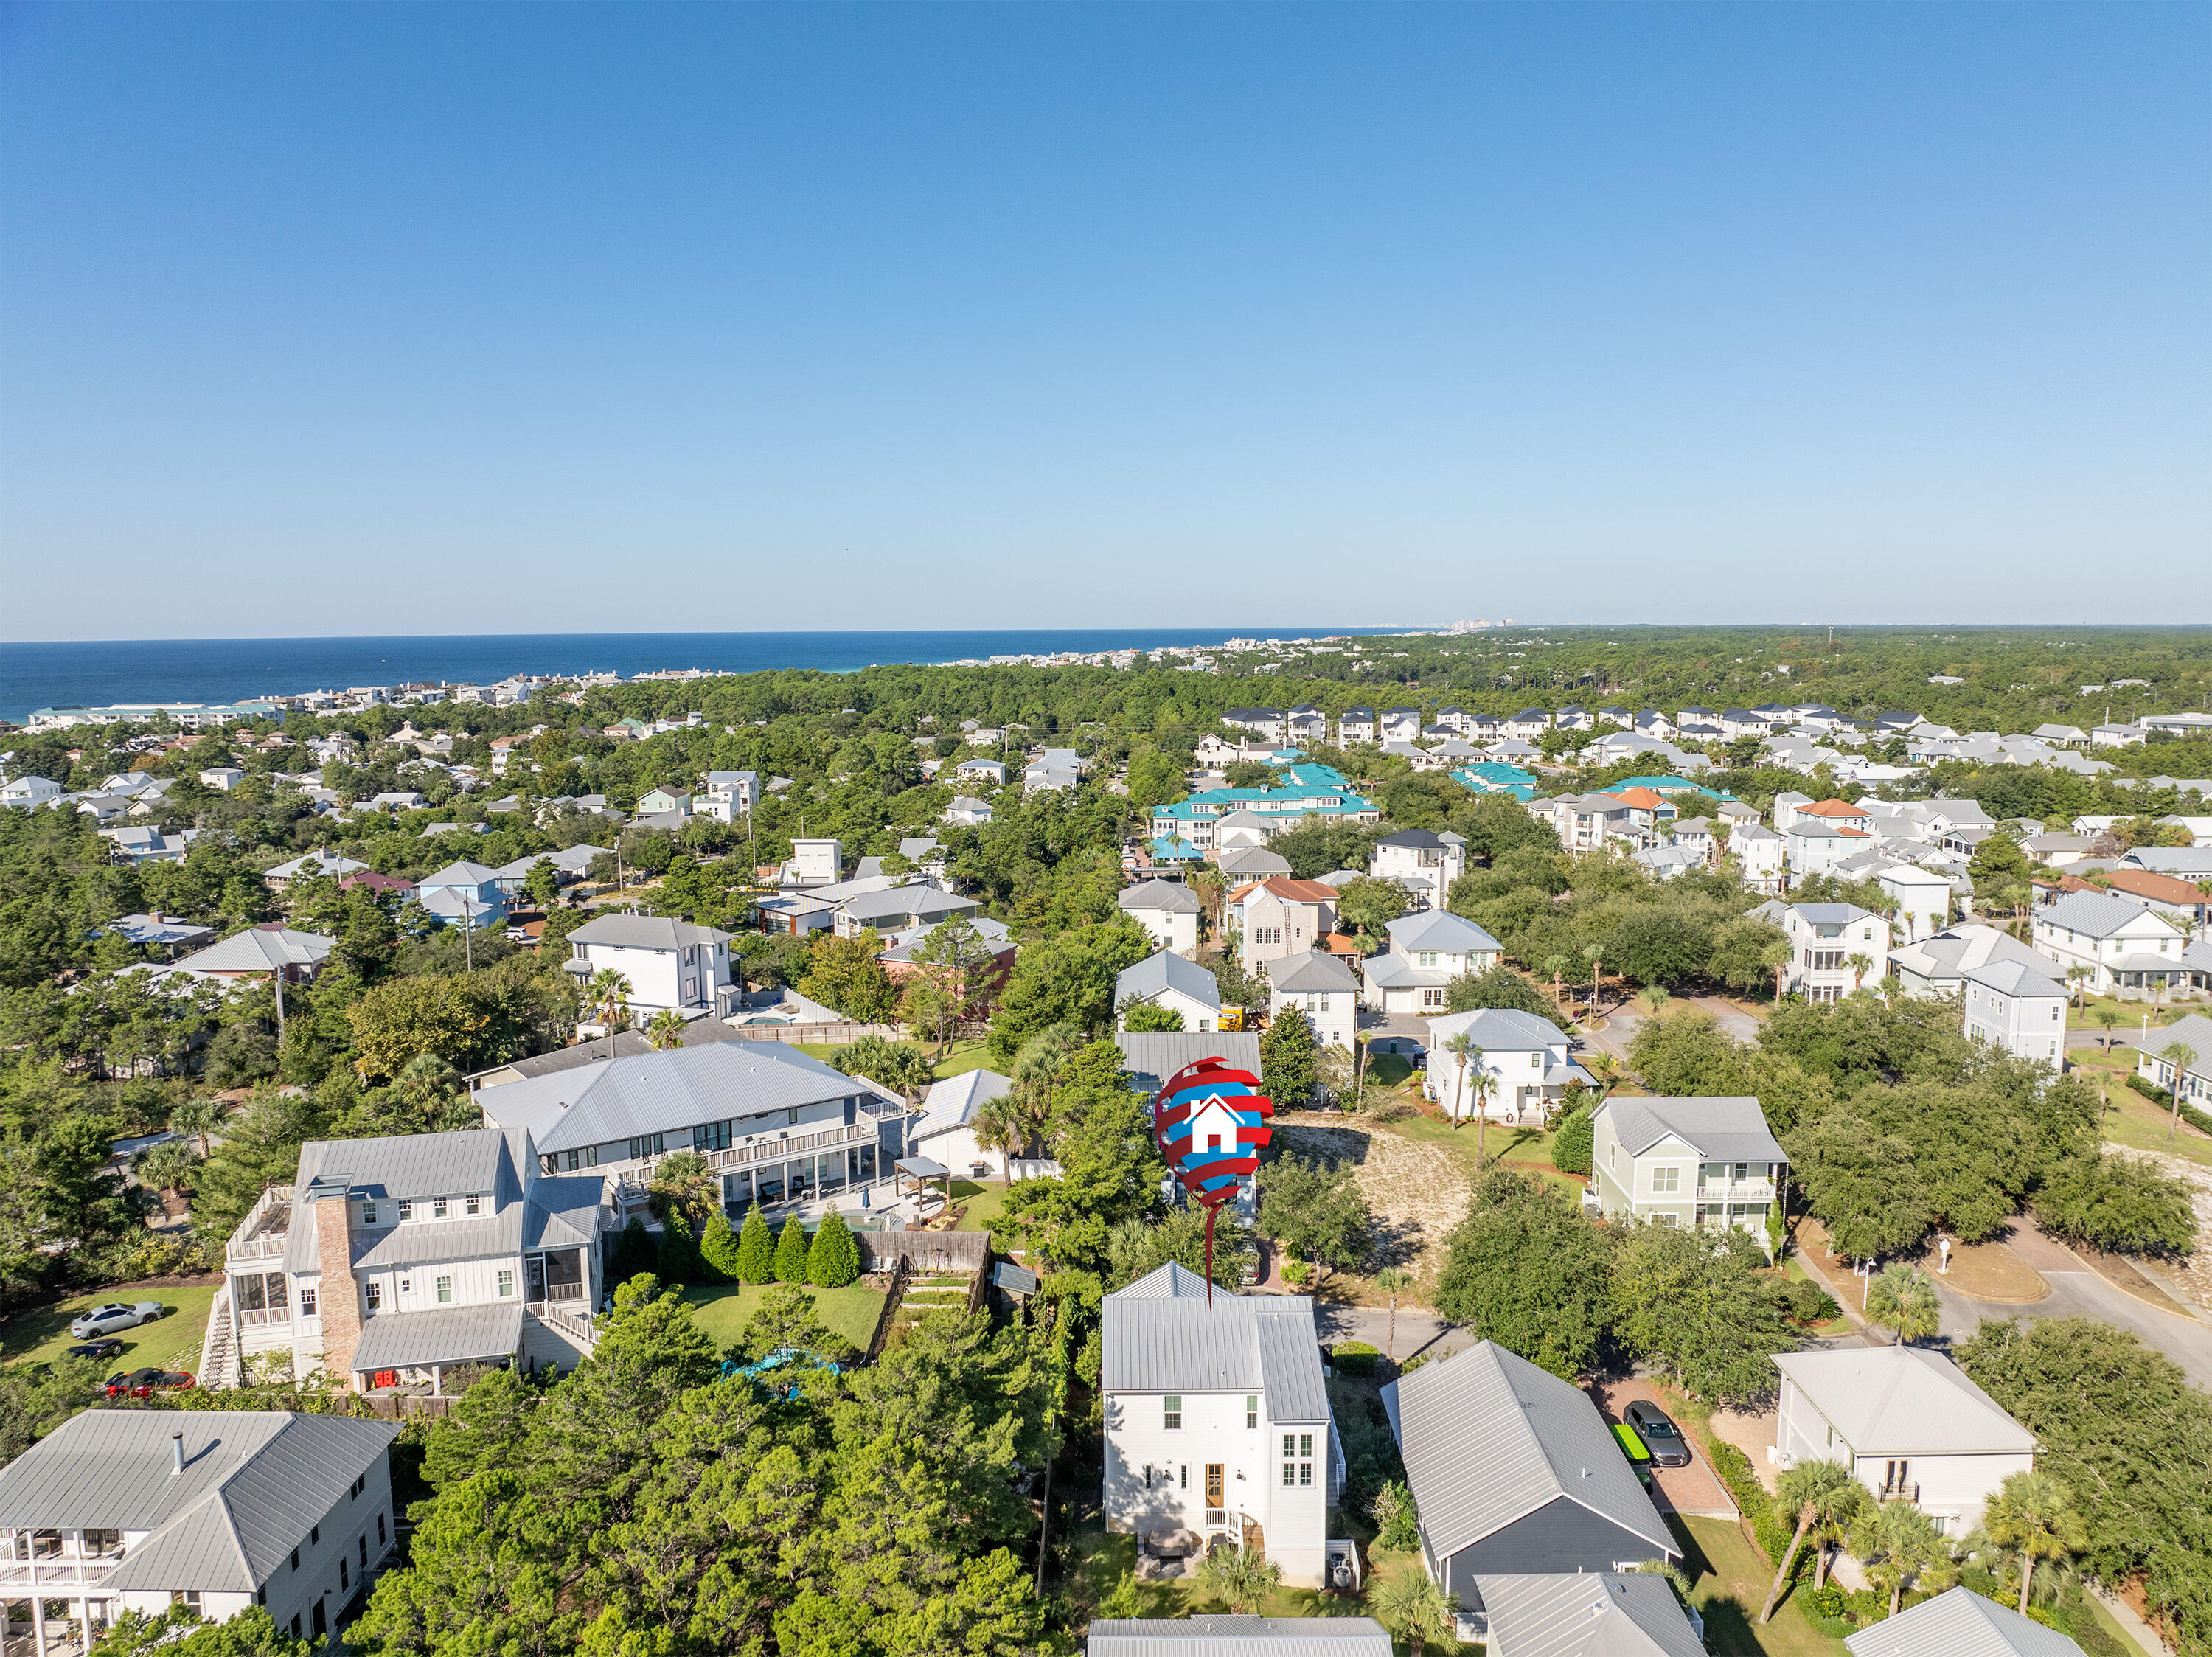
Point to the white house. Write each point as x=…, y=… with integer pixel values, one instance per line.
x=222, y=778
x=1939, y=966
x=1760, y=852
x=1324, y=987
x=1282, y=915
x=818, y=862
x=218, y=1510
x=2194, y=1080
x=1922, y=895
x=728, y=795
x=2124, y=944
x=1169, y=980
x=1356, y=725
x=1423, y=862
x=1823, y=939
x=898, y=908
x=1907, y=1422
x=669, y=963
x=944, y=1129
x=1217, y=1419
x=1427, y=951
x=1705, y=1162
x=1166, y=909
x=320, y=862
x=1960, y=1620
x=28, y=791
x=967, y=811
x=1526, y=1058
x=2019, y=1009
x=464, y=892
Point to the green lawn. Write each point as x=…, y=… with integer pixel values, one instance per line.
x=1729, y=1579
x=985, y=1202
x=41, y=1334
x=960, y=1058
x=2141, y=1124
x=723, y=1310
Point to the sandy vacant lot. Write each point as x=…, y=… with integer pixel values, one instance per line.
x=2194, y=1277
x=1418, y=1192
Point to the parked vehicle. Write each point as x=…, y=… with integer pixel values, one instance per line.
x=95, y=1350
x=113, y=1317
x=1667, y=1445
x=144, y=1383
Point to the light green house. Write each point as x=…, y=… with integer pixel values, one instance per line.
x=1687, y=1162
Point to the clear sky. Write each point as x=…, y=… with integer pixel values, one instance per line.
x=338, y=319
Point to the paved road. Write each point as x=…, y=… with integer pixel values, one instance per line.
x=2085, y=1294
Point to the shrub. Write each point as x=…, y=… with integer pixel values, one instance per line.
x=1811, y=1304
x=2119, y=1203
x=1827, y=1600
x=833, y=1260
x=755, y=1250
x=1571, y=1145
x=679, y=1261
x=2149, y=1088
x=633, y=1251
x=1396, y=1523
x=1355, y=1358
x=791, y=1247
x=719, y=1248
x=1734, y=1470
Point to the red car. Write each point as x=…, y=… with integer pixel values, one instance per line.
x=144, y=1383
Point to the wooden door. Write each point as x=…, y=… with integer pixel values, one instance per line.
x=1214, y=1485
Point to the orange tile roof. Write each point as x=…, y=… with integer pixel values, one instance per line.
x=1299, y=891
x=1830, y=808
x=2144, y=883
x=1643, y=799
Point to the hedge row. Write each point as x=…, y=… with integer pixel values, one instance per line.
x=1734, y=1469
x=2201, y=1120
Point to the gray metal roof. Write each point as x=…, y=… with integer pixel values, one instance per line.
x=1438, y=928
x=1252, y=864
x=254, y=1483
x=1151, y=1057
x=260, y=949
x=658, y=1092
x=1166, y=971
x=1311, y=971
x=1959, y=1623
x=645, y=932
x=1586, y=1616
x=1494, y=1029
x=1171, y=897
x=923, y=903
x=2015, y=978
x=415, y=1165
x=1902, y=1400
x=1731, y=1129
x=1488, y=1438
x=450, y=1334
x=459, y=873
x=1159, y=1336
x=627, y=1044
x=2098, y=914
x=1256, y=1637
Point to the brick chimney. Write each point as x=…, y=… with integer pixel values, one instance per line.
x=338, y=1303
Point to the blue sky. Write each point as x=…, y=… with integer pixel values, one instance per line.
x=565, y=317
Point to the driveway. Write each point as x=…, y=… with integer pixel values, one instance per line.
x=1695, y=1490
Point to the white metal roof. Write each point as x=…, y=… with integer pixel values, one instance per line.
x=1163, y=1334
x=1959, y=1623
x=1591, y=1615
x=1903, y=1401
x=1722, y=1129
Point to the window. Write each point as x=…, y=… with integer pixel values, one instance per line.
x=1290, y=1474
x=473, y=1203
x=345, y=1576
x=1251, y=1410
x=1289, y=1444
x=1432, y=999
x=364, y=1553
x=1172, y=1412
x=188, y=1598
x=380, y=1530
x=1305, y=1473
x=357, y=1487
x=445, y=1290
x=314, y=1535
x=1182, y=1477
x=652, y=1145
x=1825, y=960
x=368, y=1213
x=1665, y=1180
x=307, y=1302
x=1665, y=1219
x=506, y=1284
x=1424, y=957
x=261, y=1594
x=712, y=1137
x=437, y=1207
x=406, y=1208
x=375, y=1293
x=296, y=1625
x=1148, y=1475
x=1305, y=1444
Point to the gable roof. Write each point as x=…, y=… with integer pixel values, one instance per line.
x=645, y=932
x=254, y=1483
x=1150, y=1057
x=1310, y=972
x=1254, y=863
x=1418, y=839
x=1506, y=1029
x=1162, y=971
x=461, y=873
x=1720, y=1129
x=1162, y=1334
x=1903, y=1401
x=953, y=1102
x=1488, y=1438
x=1615, y=1615
x=1439, y=929
x=1290, y=890
x=1953, y=951
x=260, y=949
x=2097, y=913
x=1960, y=1623
x=2014, y=978
x=1252, y=1636
x=1164, y=897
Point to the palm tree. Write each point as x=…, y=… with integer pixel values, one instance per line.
x=2074, y=975
x=1557, y=966
x=1807, y=1494
x=1458, y=1047
x=1242, y=1580
x=1860, y=965
x=1482, y=1088
x=2108, y=1015
x=1836, y=1517
x=608, y=995
x=997, y=1126
x=1411, y=1607
x=1901, y=1545
x=1393, y=1281
x=2034, y=1514
x=665, y=1031
x=198, y=1117
x=1902, y=1299
x=1593, y=953
x=2180, y=1055
x=1037, y=1067
x=168, y=1168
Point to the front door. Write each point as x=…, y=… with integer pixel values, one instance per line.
x=1214, y=1487
x=321, y=1623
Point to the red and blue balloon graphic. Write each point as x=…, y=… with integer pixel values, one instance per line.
x=1210, y=1120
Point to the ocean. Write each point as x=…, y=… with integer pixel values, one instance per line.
x=95, y=673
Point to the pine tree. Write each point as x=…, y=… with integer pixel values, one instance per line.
x=791, y=1252
x=1289, y=1062
x=755, y=1250
x=679, y=1254
x=633, y=1252
x=835, y=1260
x=719, y=1248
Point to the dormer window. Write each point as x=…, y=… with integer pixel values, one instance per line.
x=406, y=1209
x=473, y=1203
x=437, y=1207
x=368, y=1213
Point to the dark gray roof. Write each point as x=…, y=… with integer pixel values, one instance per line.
x=1488, y=1438
x=645, y=932
x=1419, y=839
x=924, y=903
x=1311, y=971
x=658, y=1092
x=1720, y=1130
x=1166, y=971
x=1162, y=1334
x=1959, y=1623
x=254, y=1483
x=1254, y=1636
x=1151, y=1058
x=451, y=1334
x=1586, y=1616
x=1172, y=896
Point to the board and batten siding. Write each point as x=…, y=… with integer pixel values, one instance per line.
x=1562, y=1536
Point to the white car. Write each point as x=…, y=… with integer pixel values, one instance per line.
x=106, y=1320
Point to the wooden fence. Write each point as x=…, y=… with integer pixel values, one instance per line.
x=924, y=1251
x=832, y=1035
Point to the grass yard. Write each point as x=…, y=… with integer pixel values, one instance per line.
x=960, y=1058
x=1107, y=1558
x=41, y=1335
x=724, y=1309
x=1729, y=1579
x=1526, y=1150
x=985, y=1202
x=1838, y=1325
x=2140, y=1124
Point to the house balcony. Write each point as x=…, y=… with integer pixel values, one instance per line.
x=262, y=1236
x=762, y=1151
x=1735, y=1190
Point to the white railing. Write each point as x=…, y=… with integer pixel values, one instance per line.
x=248, y=1242
x=575, y=1324
x=56, y=1572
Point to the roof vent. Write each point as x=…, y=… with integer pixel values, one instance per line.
x=176, y=1453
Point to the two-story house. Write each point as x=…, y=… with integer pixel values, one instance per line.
x=216, y=1510
x=1172, y=981
x=782, y=1129
x=669, y=963
x=1514, y=1472
x=1282, y=915
x=897, y=908
x=2124, y=943
x=1168, y=909
x=273, y=952
x=965, y=811
x=1907, y=1422
x=1705, y=1162
x=1761, y=855
x=389, y=1261
x=570, y=865
x=1938, y=966
x=1264, y=723
x=1528, y=725
x=1526, y=1058
x=1217, y=1419
x=1423, y=862
x=2019, y=1009
x=28, y=791
x=1824, y=939
x=2193, y=1079
x=1322, y=985
x=1427, y=951
x=1353, y=726
x=728, y=795
x=1399, y=724
x=464, y=893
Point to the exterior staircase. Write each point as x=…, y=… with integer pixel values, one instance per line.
x=221, y=1365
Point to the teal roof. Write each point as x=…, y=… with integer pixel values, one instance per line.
x=1175, y=847
x=1496, y=776
x=1670, y=785
x=1327, y=798
x=1316, y=776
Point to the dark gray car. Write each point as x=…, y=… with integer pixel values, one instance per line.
x=1660, y=1435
